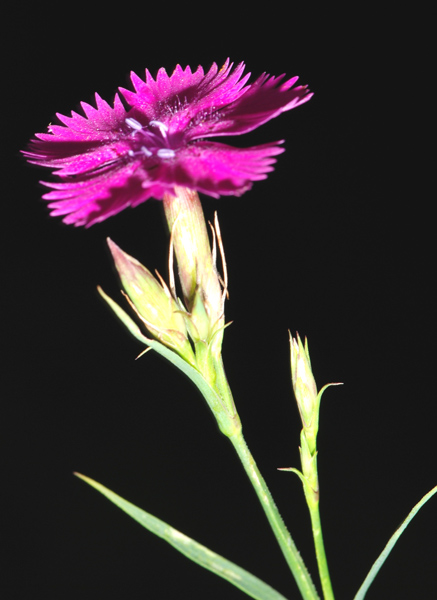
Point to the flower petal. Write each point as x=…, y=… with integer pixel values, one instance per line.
x=83, y=144
x=217, y=169
x=212, y=168
x=184, y=98
x=91, y=159
x=218, y=103
x=100, y=125
x=261, y=101
x=86, y=201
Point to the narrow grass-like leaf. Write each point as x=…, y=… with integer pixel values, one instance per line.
x=245, y=581
x=389, y=547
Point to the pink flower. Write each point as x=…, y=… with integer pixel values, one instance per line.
x=115, y=157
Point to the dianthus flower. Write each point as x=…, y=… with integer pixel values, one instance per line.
x=158, y=138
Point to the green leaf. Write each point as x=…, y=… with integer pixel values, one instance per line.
x=389, y=547
x=251, y=585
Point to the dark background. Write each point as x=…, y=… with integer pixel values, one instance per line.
x=338, y=243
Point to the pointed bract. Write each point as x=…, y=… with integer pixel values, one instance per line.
x=116, y=157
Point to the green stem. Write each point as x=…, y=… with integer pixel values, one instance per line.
x=322, y=563
x=285, y=541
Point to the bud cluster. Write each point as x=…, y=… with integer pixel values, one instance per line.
x=189, y=327
x=192, y=325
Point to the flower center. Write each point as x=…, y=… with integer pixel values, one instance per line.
x=149, y=141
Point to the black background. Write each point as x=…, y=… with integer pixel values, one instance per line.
x=338, y=243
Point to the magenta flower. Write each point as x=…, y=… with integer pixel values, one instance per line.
x=115, y=157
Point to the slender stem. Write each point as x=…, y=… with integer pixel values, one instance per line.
x=322, y=563
x=201, y=284
x=282, y=535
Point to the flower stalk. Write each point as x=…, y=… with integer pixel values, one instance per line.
x=285, y=541
x=204, y=297
x=308, y=402
x=192, y=327
x=202, y=292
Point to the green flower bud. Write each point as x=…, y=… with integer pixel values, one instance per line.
x=305, y=389
x=153, y=303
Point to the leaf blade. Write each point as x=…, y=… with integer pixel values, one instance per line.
x=389, y=547
x=242, y=579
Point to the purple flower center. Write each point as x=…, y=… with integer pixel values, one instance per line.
x=150, y=141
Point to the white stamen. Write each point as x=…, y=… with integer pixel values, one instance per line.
x=133, y=123
x=161, y=126
x=166, y=153
x=146, y=151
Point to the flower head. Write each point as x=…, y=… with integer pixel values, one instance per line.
x=158, y=137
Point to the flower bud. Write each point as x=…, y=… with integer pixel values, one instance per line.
x=305, y=389
x=153, y=303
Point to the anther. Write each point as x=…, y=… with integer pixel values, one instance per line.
x=166, y=153
x=143, y=150
x=146, y=151
x=133, y=123
x=161, y=126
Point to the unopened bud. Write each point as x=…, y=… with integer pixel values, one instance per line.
x=304, y=386
x=153, y=303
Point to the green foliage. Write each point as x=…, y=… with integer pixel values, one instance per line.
x=389, y=547
x=245, y=581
